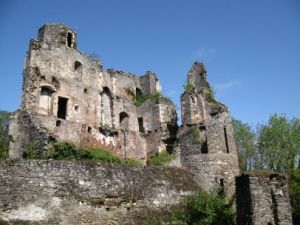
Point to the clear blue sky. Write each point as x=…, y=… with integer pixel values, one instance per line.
x=251, y=48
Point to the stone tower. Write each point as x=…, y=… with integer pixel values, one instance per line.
x=69, y=96
x=206, y=139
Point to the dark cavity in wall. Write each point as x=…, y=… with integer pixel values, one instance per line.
x=62, y=108
x=204, y=147
x=141, y=124
x=243, y=200
x=226, y=140
x=124, y=121
x=69, y=39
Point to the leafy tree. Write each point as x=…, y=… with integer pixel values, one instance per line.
x=279, y=143
x=245, y=142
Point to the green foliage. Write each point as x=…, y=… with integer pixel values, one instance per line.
x=195, y=135
x=279, y=143
x=245, y=142
x=188, y=86
x=210, y=94
x=140, y=99
x=273, y=146
x=205, y=209
x=31, y=152
x=69, y=151
x=4, y=140
x=159, y=158
x=294, y=191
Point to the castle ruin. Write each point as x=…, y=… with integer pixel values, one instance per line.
x=69, y=96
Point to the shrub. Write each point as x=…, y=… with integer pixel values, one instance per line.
x=159, y=159
x=205, y=209
x=4, y=147
x=188, y=86
x=69, y=151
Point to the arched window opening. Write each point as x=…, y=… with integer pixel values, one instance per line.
x=124, y=121
x=69, y=39
x=45, y=100
x=106, y=107
x=77, y=66
x=138, y=92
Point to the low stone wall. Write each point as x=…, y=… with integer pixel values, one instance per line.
x=60, y=192
x=262, y=200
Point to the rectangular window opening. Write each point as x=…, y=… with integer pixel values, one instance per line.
x=141, y=124
x=62, y=108
x=226, y=140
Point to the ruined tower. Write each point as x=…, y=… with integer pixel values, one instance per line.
x=206, y=139
x=69, y=96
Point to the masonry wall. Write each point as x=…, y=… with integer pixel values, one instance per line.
x=262, y=200
x=58, y=192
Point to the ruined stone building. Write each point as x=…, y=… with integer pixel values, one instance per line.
x=67, y=95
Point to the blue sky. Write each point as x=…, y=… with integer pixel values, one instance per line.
x=251, y=49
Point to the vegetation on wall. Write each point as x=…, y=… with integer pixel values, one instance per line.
x=4, y=140
x=159, y=158
x=140, y=99
x=188, y=86
x=69, y=151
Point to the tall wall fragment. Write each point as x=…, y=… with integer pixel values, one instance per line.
x=206, y=139
x=262, y=200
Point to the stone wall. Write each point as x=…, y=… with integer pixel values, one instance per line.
x=262, y=200
x=58, y=192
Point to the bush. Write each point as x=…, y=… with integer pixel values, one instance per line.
x=4, y=147
x=205, y=209
x=188, y=86
x=159, y=159
x=69, y=151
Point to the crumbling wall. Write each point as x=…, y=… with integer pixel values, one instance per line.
x=58, y=192
x=262, y=200
x=206, y=139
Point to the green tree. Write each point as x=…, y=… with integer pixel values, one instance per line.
x=279, y=143
x=245, y=142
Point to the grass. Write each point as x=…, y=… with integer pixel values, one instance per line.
x=69, y=151
x=159, y=159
